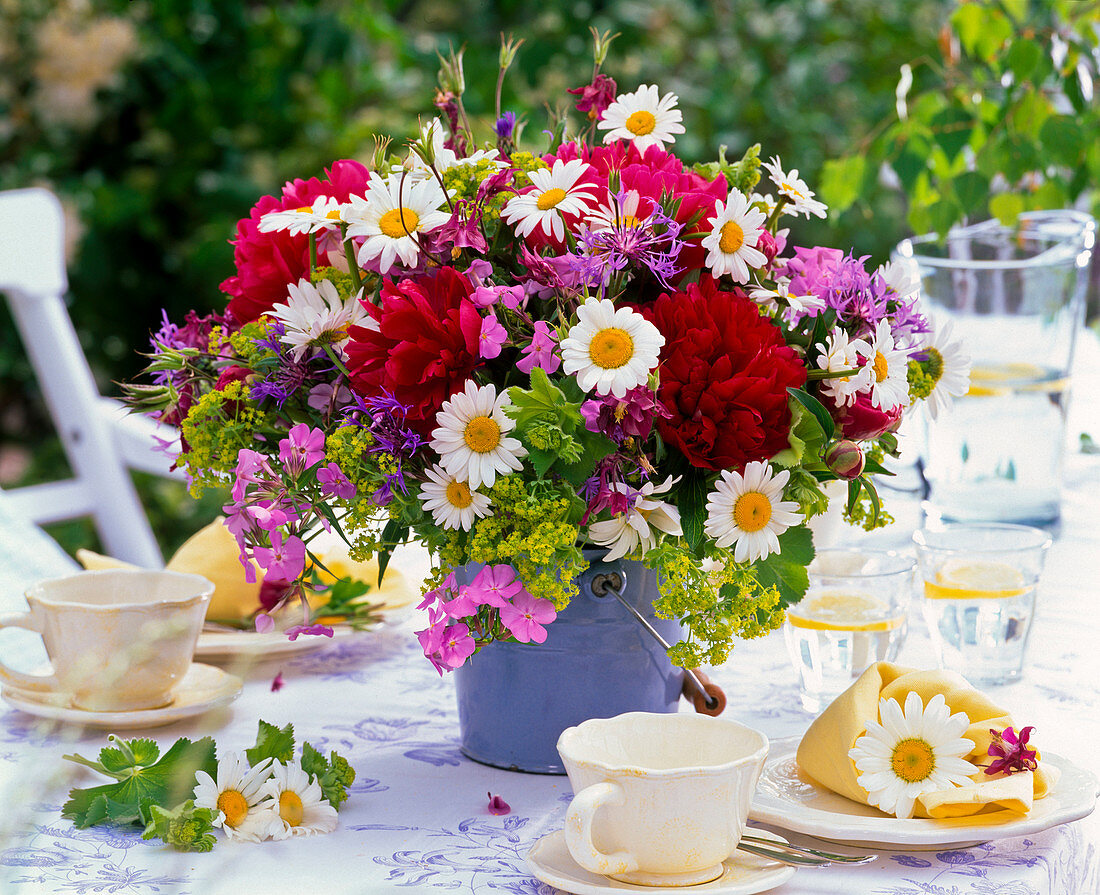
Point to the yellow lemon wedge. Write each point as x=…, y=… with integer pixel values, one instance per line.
x=213, y=553
x=96, y=562
x=970, y=579
x=844, y=610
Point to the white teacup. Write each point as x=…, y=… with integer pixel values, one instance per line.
x=118, y=640
x=660, y=800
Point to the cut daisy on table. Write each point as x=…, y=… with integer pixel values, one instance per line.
x=295, y=803
x=236, y=797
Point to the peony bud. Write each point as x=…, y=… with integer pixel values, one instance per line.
x=845, y=458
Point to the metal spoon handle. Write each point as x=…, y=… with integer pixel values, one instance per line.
x=783, y=857
x=840, y=859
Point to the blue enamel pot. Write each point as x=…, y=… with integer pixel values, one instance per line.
x=515, y=699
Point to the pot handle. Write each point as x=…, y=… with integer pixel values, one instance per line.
x=710, y=700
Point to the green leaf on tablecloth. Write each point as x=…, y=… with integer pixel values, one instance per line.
x=334, y=775
x=165, y=782
x=143, y=752
x=786, y=570
x=272, y=742
x=185, y=827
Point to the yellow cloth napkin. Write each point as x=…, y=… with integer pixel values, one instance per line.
x=823, y=752
x=213, y=553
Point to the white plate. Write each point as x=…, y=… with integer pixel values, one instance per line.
x=787, y=798
x=203, y=688
x=745, y=874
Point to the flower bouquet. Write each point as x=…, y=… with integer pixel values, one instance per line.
x=511, y=356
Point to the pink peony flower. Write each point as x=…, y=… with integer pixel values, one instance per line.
x=526, y=616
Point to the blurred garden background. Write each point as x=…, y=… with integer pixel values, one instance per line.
x=161, y=122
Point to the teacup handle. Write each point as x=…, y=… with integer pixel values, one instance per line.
x=35, y=682
x=578, y=830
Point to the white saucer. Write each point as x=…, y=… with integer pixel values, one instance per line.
x=787, y=798
x=255, y=647
x=551, y=863
x=203, y=688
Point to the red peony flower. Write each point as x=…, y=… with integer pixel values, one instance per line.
x=421, y=346
x=269, y=262
x=725, y=371
x=861, y=420
x=651, y=174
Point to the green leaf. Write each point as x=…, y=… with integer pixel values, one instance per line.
x=691, y=500
x=972, y=191
x=185, y=827
x=1030, y=114
x=982, y=30
x=816, y=408
x=272, y=742
x=944, y=214
x=594, y=447
x=909, y=165
x=395, y=532
x=951, y=130
x=786, y=570
x=841, y=182
x=334, y=775
x=1023, y=57
x=1006, y=208
x=541, y=460
x=1063, y=139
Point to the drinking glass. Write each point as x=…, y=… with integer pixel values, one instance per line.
x=855, y=613
x=1016, y=297
x=980, y=589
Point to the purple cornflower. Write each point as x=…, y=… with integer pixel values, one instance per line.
x=649, y=243
x=860, y=299
x=384, y=417
x=289, y=374
x=505, y=126
x=618, y=419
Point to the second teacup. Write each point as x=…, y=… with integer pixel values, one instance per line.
x=118, y=640
x=660, y=800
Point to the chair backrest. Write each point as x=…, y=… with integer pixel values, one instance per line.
x=32, y=274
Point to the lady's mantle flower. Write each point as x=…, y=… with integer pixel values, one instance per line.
x=1011, y=752
x=391, y=216
x=452, y=503
x=296, y=804
x=237, y=797
x=556, y=193
x=639, y=525
x=912, y=753
x=610, y=349
x=315, y=316
x=748, y=511
x=472, y=437
x=643, y=117
x=736, y=229
x=800, y=198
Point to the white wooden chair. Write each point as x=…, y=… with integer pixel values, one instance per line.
x=101, y=440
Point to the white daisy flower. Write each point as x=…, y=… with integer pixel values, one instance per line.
x=842, y=353
x=556, y=193
x=644, y=117
x=800, y=198
x=323, y=214
x=610, y=349
x=618, y=215
x=472, y=437
x=767, y=200
x=391, y=215
x=889, y=366
x=297, y=806
x=435, y=133
x=731, y=245
x=768, y=299
x=638, y=525
x=902, y=276
x=748, y=511
x=315, y=316
x=236, y=796
x=949, y=366
x=452, y=503
x=911, y=754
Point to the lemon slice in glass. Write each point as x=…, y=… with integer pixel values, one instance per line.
x=844, y=610
x=975, y=579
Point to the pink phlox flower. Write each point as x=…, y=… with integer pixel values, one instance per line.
x=250, y=462
x=497, y=805
x=284, y=558
x=431, y=639
x=479, y=272
x=449, y=584
x=278, y=683
x=492, y=338
x=462, y=605
x=526, y=616
x=1011, y=752
x=495, y=585
x=317, y=630
x=540, y=353
x=334, y=483
x=265, y=624
x=457, y=645
x=302, y=448
x=487, y=296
